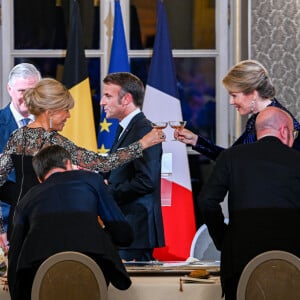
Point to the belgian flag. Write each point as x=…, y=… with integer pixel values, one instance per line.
x=80, y=128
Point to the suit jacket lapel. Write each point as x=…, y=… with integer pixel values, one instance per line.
x=125, y=132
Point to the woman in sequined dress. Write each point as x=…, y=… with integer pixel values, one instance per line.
x=49, y=101
x=251, y=90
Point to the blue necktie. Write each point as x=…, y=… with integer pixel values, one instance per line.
x=25, y=121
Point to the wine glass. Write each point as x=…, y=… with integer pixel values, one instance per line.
x=177, y=125
x=159, y=125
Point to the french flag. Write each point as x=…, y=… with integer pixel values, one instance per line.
x=162, y=103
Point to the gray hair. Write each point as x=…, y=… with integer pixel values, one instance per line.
x=23, y=70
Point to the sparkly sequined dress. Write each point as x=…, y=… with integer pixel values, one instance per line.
x=25, y=142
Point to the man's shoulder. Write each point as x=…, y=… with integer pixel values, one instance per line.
x=139, y=126
x=269, y=148
x=32, y=195
x=5, y=110
x=141, y=119
x=240, y=152
x=83, y=175
x=6, y=115
x=266, y=142
x=234, y=149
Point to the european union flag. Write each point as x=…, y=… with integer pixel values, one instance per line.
x=118, y=63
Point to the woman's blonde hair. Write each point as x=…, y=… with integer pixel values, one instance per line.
x=48, y=95
x=248, y=76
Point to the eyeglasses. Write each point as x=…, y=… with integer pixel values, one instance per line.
x=295, y=133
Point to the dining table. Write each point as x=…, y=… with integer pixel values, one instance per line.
x=167, y=288
x=159, y=288
x=160, y=284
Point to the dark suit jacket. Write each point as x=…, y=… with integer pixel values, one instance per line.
x=263, y=184
x=61, y=215
x=136, y=187
x=7, y=125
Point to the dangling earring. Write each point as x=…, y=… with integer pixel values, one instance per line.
x=252, y=106
x=50, y=122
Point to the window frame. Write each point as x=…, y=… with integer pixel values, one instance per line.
x=224, y=39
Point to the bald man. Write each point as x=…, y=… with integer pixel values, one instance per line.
x=262, y=180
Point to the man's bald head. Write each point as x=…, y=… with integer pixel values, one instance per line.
x=273, y=121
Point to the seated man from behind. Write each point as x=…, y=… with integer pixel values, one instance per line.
x=61, y=214
x=262, y=180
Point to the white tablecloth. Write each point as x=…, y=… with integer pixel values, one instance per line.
x=4, y=295
x=158, y=288
x=166, y=288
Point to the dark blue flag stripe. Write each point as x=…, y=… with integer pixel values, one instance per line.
x=162, y=71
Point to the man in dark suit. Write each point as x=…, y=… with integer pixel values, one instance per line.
x=13, y=116
x=262, y=180
x=135, y=186
x=61, y=214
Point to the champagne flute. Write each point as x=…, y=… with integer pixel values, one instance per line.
x=177, y=125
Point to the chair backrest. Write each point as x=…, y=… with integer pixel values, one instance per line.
x=271, y=275
x=203, y=247
x=69, y=275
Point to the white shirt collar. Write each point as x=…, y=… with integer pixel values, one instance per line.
x=124, y=123
x=18, y=117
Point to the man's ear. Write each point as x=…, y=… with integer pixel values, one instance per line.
x=127, y=99
x=69, y=165
x=284, y=135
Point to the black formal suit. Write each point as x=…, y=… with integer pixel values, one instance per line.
x=136, y=187
x=263, y=184
x=7, y=192
x=60, y=214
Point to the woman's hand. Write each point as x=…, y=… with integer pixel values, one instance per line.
x=155, y=136
x=185, y=136
x=4, y=242
x=100, y=221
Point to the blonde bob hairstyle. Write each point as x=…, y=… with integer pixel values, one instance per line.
x=48, y=95
x=248, y=76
